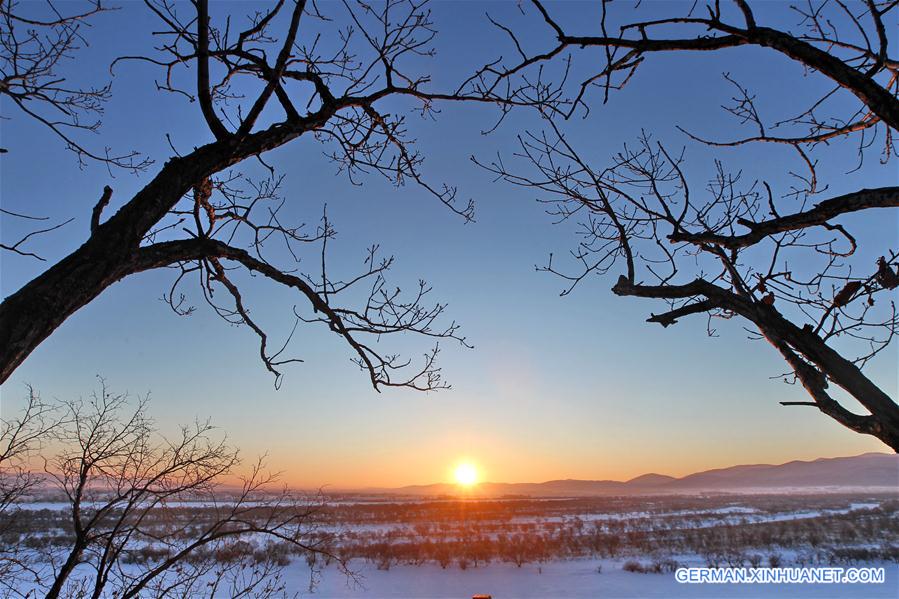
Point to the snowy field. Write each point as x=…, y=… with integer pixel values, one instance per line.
x=515, y=547
x=575, y=579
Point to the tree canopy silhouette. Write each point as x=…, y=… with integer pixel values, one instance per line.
x=784, y=260
x=323, y=72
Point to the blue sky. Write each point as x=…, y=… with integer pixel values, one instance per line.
x=574, y=387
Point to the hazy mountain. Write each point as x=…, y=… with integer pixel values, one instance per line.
x=650, y=480
x=870, y=471
x=867, y=470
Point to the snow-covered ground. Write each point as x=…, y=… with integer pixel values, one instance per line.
x=366, y=530
x=574, y=579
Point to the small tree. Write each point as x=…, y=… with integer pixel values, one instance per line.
x=129, y=531
x=784, y=260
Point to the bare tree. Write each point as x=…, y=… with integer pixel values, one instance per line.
x=783, y=260
x=130, y=531
x=205, y=220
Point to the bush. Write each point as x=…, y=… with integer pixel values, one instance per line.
x=633, y=566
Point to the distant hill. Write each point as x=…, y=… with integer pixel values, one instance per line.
x=650, y=480
x=866, y=470
x=875, y=471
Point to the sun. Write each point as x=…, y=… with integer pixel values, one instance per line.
x=466, y=474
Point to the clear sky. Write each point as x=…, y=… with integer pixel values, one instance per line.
x=574, y=387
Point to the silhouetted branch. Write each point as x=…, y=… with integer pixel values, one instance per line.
x=98, y=209
x=342, y=68
x=16, y=247
x=36, y=39
x=690, y=248
x=125, y=485
x=884, y=197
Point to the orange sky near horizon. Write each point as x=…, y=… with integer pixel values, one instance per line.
x=436, y=464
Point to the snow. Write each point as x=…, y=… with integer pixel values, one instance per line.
x=577, y=579
x=574, y=579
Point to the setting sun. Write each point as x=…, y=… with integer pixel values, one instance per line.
x=466, y=474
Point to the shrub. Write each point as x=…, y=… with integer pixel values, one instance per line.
x=633, y=566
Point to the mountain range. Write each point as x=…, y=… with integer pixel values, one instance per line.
x=873, y=471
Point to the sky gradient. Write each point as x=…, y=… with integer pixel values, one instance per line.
x=574, y=387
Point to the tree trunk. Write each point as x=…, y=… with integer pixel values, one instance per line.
x=64, y=572
x=31, y=314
